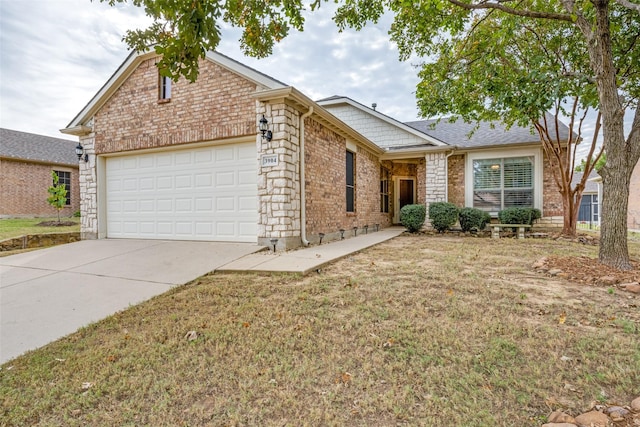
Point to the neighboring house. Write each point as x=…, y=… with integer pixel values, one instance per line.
x=633, y=216
x=589, y=212
x=174, y=160
x=26, y=162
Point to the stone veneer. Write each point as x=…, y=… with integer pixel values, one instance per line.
x=436, y=180
x=89, y=191
x=279, y=185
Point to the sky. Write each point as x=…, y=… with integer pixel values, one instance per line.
x=56, y=54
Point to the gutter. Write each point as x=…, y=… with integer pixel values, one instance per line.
x=303, y=197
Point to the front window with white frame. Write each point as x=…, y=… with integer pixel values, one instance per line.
x=499, y=182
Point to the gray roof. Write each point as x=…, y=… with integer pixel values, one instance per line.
x=38, y=148
x=589, y=186
x=465, y=135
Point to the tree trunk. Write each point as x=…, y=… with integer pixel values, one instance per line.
x=613, y=229
x=621, y=157
x=571, y=208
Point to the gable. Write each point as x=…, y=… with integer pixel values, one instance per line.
x=218, y=105
x=82, y=123
x=385, y=131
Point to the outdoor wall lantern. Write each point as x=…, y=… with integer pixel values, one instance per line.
x=264, y=129
x=81, y=154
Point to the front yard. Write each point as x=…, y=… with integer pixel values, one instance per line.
x=421, y=330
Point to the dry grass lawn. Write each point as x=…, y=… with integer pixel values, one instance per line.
x=421, y=330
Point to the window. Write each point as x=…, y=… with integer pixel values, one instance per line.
x=64, y=178
x=164, y=88
x=384, y=190
x=351, y=180
x=503, y=183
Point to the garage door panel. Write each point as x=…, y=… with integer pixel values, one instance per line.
x=208, y=193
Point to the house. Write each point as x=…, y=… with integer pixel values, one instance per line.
x=26, y=163
x=589, y=212
x=633, y=212
x=240, y=156
x=486, y=166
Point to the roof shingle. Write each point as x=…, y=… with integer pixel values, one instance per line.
x=39, y=148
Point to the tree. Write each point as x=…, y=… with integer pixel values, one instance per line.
x=597, y=165
x=530, y=74
x=183, y=30
x=608, y=32
x=57, y=194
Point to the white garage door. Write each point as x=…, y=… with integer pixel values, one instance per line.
x=205, y=193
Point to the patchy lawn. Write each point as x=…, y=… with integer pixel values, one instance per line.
x=421, y=330
x=16, y=227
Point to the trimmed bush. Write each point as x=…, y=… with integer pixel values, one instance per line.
x=413, y=216
x=472, y=218
x=443, y=215
x=519, y=215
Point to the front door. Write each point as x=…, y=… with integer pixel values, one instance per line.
x=405, y=195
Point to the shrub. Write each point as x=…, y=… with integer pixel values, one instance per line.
x=413, y=216
x=443, y=215
x=77, y=214
x=472, y=218
x=519, y=215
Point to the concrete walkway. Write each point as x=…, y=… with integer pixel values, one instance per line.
x=49, y=293
x=303, y=261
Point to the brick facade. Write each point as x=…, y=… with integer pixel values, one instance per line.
x=633, y=217
x=218, y=106
x=24, y=189
x=455, y=178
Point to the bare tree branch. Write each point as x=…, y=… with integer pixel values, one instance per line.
x=526, y=13
x=629, y=5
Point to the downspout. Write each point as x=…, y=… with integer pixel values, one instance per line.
x=303, y=197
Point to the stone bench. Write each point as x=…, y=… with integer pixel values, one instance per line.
x=495, y=229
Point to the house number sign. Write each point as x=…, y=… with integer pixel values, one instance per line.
x=269, y=160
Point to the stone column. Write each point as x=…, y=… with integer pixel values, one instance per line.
x=436, y=180
x=279, y=181
x=88, y=191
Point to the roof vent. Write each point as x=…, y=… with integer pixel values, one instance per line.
x=374, y=105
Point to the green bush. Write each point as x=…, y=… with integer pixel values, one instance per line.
x=519, y=215
x=443, y=215
x=472, y=218
x=413, y=216
x=77, y=214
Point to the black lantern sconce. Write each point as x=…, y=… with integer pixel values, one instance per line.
x=264, y=129
x=81, y=154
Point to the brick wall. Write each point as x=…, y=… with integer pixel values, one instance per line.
x=633, y=217
x=217, y=106
x=24, y=189
x=325, y=183
x=456, y=180
x=552, y=199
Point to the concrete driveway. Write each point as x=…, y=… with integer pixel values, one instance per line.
x=49, y=293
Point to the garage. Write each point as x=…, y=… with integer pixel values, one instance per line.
x=205, y=193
